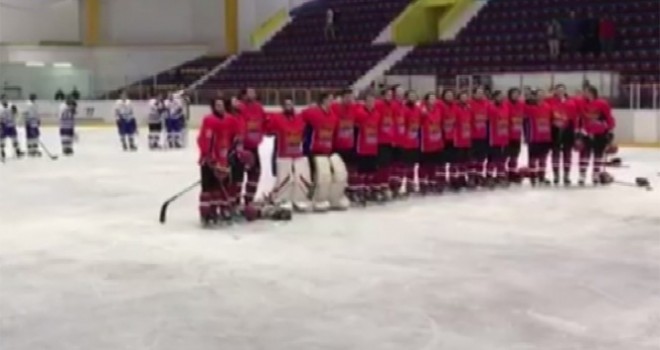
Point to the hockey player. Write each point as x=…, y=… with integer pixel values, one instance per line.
x=432, y=157
x=252, y=115
x=479, y=106
x=516, y=117
x=538, y=133
x=126, y=123
x=386, y=176
x=398, y=162
x=449, y=170
x=218, y=135
x=462, y=143
x=157, y=114
x=32, y=126
x=344, y=142
x=564, y=113
x=367, y=123
x=409, y=140
x=293, y=183
x=329, y=172
x=596, y=126
x=67, y=116
x=8, y=114
x=498, y=136
x=175, y=122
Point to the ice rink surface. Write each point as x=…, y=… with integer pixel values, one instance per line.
x=85, y=265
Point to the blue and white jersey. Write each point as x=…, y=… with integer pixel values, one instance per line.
x=67, y=117
x=31, y=115
x=7, y=116
x=175, y=108
x=124, y=110
x=157, y=111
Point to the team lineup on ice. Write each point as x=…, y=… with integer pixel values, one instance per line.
x=470, y=257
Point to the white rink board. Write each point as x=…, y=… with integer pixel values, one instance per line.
x=85, y=265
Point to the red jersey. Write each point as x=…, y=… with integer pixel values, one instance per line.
x=288, y=131
x=412, y=116
x=596, y=118
x=216, y=137
x=564, y=112
x=431, y=137
x=479, y=118
x=498, y=124
x=345, y=131
x=516, y=118
x=386, y=128
x=463, y=133
x=539, y=121
x=319, y=134
x=449, y=112
x=367, y=122
x=253, y=116
x=399, y=123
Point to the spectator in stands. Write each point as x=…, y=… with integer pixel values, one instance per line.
x=59, y=95
x=607, y=34
x=590, y=28
x=554, y=38
x=571, y=32
x=75, y=94
x=329, y=24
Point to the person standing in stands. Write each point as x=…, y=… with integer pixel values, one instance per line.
x=75, y=94
x=554, y=35
x=571, y=32
x=590, y=33
x=607, y=34
x=329, y=24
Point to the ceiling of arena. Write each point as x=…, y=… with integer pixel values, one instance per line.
x=28, y=4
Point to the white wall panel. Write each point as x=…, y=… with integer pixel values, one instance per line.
x=163, y=22
x=110, y=67
x=33, y=21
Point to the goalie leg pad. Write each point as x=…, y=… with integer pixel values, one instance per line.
x=282, y=193
x=303, y=185
x=322, y=182
x=339, y=183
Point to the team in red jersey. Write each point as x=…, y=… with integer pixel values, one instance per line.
x=336, y=152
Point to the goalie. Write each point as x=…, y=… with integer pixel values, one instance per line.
x=293, y=183
x=329, y=173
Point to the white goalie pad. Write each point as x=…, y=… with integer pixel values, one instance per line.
x=303, y=185
x=337, y=196
x=322, y=183
x=282, y=193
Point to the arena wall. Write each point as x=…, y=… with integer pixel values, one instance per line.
x=34, y=21
x=634, y=127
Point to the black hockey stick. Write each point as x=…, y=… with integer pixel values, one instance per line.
x=640, y=182
x=163, y=208
x=50, y=155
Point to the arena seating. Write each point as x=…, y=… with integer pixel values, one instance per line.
x=173, y=79
x=300, y=56
x=510, y=36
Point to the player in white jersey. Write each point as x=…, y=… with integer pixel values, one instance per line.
x=67, y=116
x=126, y=123
x=175, y=122
x=157, y=113
x=32, y=125
x=8, y=113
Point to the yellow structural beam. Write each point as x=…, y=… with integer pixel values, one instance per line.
x=92, y=22
x=269, y=26
x=231, y=26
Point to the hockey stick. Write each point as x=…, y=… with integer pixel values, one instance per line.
x=50, y=155
x=640, y=182
x=163, y=208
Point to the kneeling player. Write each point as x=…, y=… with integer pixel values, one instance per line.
x=293, y=183
x=126, y=124
x=329, y=172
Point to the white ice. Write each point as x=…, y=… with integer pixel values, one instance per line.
x=84, y=264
